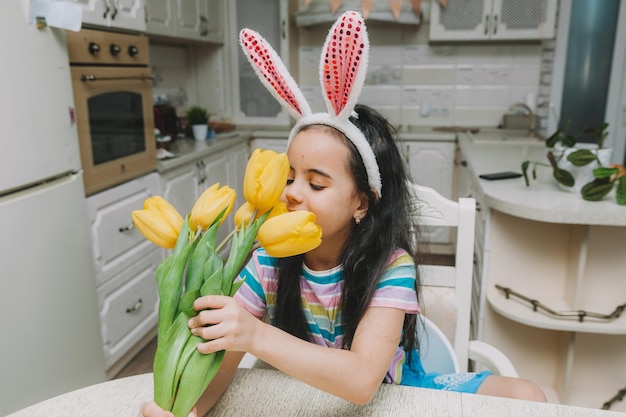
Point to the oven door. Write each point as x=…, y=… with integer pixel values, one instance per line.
x=115, y=123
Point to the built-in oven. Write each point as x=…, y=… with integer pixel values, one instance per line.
x=112, y=86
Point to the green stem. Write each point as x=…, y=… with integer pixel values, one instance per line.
x=225, y=241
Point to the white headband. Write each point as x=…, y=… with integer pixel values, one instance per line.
x=343, y=66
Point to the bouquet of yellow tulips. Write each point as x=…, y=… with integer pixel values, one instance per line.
x=195, y=268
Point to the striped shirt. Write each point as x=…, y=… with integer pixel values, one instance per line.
x=321, y=294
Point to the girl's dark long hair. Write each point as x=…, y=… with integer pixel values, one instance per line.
x=387, y=226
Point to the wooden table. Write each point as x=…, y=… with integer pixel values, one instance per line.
x=261, y=392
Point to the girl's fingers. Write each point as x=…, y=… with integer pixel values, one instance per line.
x=211, y=301
x=151, y=409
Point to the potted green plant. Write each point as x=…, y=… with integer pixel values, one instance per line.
x=198, y=119
x=582, y=167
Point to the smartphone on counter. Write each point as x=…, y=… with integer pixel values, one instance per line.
x=505, y=175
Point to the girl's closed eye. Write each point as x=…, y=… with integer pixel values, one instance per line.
x=316, y=187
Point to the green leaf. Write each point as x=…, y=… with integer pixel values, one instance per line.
x=169, y=281
x=525, y=165
x=582, y=157
x=213, y=283
x=245, y=239
x=563, y=177
x=554, y=138
x=169, y=350
x=604, y=172
x=596, y=189
x=620, y=192
x=204, y=250
x=195, y=378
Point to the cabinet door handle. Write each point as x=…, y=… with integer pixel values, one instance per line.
x=127, y=228
x=495, y=25
x=107, y=4
x=136, y=307
x=486, y=25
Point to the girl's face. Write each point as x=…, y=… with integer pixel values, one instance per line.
x=320, y=181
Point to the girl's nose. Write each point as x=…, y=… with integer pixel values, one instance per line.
x=291, y=196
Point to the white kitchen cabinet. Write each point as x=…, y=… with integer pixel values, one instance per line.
x=558, y=250
x=472, y=20
x=128, y=305
x=183, y=185
x=124, y=264
x=119, y=14
x=278, y=145
x=201, y=20
x=252, y=104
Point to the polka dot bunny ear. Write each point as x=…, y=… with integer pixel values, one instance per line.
x=273, y=73
x=343, y=64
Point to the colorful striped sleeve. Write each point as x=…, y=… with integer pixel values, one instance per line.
x=396, y=288
x=259, y=277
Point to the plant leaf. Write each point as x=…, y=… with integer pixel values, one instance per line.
x=596, y=189
x=620, y=192
x=169, y=349
x=525, y=165
x=604, y=172
x=581, y=157
x=563, y=177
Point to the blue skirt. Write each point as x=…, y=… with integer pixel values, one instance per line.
x=413, y=375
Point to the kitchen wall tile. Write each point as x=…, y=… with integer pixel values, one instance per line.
x=525, y=74
x=386, y=55
x=430, y=55
x=473, y=84
x=478, y=116
x=491, y=96
x=381, y=95
x=476, y=74
x=429, y=75
x=412, y=116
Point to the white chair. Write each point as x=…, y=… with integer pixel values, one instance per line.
x=447, y=291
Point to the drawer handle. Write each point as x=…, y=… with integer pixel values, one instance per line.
x=128, y=228
x=136, y=307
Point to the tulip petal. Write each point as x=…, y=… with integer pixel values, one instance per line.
x=152, y=226
x=165, y=209
x=290, y=234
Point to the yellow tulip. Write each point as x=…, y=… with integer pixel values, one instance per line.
x=290, y=234
x=244, y=213
x=210, y=204
x=159, y=222
x=265, y=178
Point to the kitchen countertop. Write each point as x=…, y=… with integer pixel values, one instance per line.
x=261, y=392
x=486, y=152
x=188, y=150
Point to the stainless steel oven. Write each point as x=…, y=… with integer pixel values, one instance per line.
x=112, y=86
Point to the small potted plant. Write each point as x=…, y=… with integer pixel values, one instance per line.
x=198, y=119
x=582, y=167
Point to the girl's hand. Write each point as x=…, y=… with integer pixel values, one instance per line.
x=151, y=409
x=224, y=324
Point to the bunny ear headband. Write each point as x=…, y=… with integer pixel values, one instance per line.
x=343, y=66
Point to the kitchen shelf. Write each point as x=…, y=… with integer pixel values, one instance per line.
x=522, y=312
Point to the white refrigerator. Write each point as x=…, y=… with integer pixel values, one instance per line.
x=50, y=339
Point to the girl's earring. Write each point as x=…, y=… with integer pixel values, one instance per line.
x=357, y=220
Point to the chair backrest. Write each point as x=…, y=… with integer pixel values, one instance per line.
x=447, y=289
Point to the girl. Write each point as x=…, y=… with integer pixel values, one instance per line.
x=355, y=293
x=341, y=317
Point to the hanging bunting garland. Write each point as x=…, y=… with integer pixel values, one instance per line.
x=396, y=8
x=334, y=6
x=366, y=7
x=417, y=6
